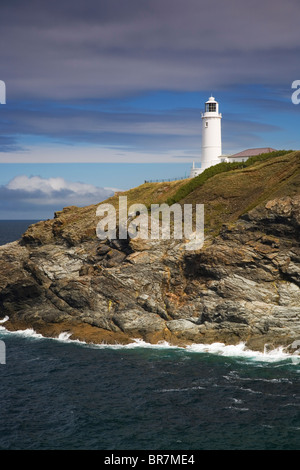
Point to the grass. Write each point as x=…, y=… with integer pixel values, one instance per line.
x=227, y=190
x=228, y=195
x=223, y=167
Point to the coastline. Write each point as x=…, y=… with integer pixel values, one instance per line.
x=242, y=286
x=220, y=349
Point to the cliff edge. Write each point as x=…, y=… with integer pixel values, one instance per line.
x=242, y=286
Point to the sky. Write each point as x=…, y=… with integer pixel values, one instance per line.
x=104, y=94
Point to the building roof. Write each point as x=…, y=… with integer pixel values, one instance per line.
x=252, y=152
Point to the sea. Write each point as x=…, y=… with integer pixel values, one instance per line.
x=59, y=394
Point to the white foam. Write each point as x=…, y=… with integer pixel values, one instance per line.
x=28, y=333
x=164, y=390
x=64, y=337
x=239, y=350
x=136, y=344
x=4, y=319
x=139, y=343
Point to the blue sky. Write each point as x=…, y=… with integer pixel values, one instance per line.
x=101, y=95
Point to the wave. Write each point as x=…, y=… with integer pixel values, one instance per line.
x=28, y=333
x=240, y=350
x=4, y=319
x=220, y=349
x=188, y=389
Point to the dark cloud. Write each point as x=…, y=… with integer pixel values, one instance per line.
x=114, y=47
x=8, y=143
x=76, y=125
x=134, y=131
x=58, y=57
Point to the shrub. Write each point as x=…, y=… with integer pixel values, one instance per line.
x=223, y=167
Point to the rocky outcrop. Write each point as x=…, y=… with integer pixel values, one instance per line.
x=242, y=286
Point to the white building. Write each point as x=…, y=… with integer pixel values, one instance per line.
x=211, y=149
x=245, y=154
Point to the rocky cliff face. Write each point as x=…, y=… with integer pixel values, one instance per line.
x=243, y=285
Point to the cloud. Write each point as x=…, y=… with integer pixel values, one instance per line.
x=66, y=69
x=52, y=186
x=96, y=125
x=114, y=48
x=32, y=194
x=129, y=131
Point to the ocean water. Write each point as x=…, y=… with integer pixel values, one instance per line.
x=11, y=230
x=62, y=394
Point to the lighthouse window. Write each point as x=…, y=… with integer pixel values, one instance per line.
x=206, y=123
x=211, y=107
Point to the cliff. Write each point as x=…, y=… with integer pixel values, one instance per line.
x=243, y=285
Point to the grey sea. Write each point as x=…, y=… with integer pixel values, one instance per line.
x=60, y=394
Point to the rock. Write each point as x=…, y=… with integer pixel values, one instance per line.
x=243, y=285
x=186, y=330
x=113, y=258
x=138, y=320
x=103, y=250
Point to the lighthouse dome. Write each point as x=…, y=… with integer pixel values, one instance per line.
x=211, y=106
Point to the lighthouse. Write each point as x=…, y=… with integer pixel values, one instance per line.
x=211, y=134
x=211, y=149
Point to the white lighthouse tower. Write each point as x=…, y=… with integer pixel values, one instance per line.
x=211, y=137
x=211, y=134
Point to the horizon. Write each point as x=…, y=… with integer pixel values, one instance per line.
x=104, y=96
